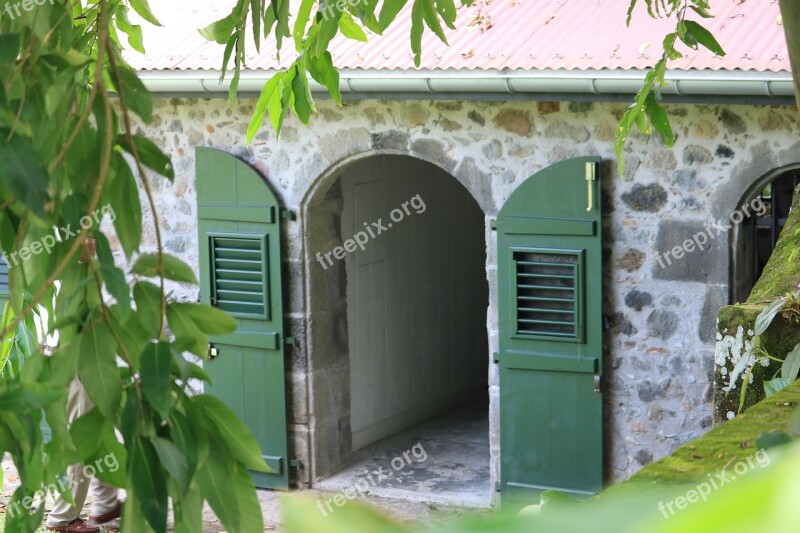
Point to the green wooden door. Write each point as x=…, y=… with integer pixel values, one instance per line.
x=240, y=272
x=4, y=281
x=550, y=317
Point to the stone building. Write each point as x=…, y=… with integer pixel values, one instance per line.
x=410, y=324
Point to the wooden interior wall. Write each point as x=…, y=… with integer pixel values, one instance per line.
x=417, y=296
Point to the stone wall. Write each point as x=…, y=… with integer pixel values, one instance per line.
x=661, y=320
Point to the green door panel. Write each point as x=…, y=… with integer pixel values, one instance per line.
x=240, y=272
x=551, y=345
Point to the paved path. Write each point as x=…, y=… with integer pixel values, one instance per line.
x=420, y=513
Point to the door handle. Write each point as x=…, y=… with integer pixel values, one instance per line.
x=590, y=177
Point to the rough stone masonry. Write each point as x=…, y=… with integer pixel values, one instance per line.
x=659, y=356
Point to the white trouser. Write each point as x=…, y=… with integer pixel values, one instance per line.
x=105, y=496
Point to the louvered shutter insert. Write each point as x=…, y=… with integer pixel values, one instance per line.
x=548, y=286
x=4, y=280
x=239, y=274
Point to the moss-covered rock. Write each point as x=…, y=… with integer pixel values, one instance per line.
x=735, y=327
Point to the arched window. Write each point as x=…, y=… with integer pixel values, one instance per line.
x=755, y=238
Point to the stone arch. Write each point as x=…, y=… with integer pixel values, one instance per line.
x=737, y=235
x=477, y=182
x=324, y=304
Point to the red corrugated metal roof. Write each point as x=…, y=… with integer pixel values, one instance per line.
x=496, y=35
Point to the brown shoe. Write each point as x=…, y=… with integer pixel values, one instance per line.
x=76, y=526
x=109, y=516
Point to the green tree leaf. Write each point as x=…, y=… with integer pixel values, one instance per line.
x=9, y=47
x=389, y=12
x=237, y=436
x=322, y=70
x=156, y=362
x=775, y=385
x=300, y=23
x=142, y=7
x=228, y=487
x=124, y=205
x=148, y=483
x=150, y=154
x=220, y=30
x=187, y=335
x=97, y=368
x=261, y=106
x=133, y=31
x=23, y=173
x=703, y=36
x=14, y=397
x=791, y=365
x=86, y=431
x=148, y=307
x=351, y=29
x=147, y=265
x=137, y=97
x=209, y=319
x=303, y=102
x=659, y=119
x=432, y=20
x=174, y=462
x=416, y=30
x=767, y=315
x=115, y=280
x=109, y=459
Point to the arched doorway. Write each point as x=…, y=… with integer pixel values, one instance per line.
x=769, y=202
x=397, y=300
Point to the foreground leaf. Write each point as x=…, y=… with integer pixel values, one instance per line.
x=97, y=368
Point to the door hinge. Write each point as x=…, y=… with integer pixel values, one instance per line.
x=296, y=463
x=291, y=341
x=493, y=225
x=496, y=358
x=497, y=486
x=288, y=214
x=598, y=379
x=212, y=351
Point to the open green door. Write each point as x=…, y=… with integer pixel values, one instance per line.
x=4, y=283
x=550, y=304
x=240, y=272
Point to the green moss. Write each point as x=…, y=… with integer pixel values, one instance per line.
x=720, y=447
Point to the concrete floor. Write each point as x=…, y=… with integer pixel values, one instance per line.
x=450, y=467
x=447, y=478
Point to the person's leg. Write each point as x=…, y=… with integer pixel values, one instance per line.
x=63, y=512
x=105, y=500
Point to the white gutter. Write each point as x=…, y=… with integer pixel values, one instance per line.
x=591, y=84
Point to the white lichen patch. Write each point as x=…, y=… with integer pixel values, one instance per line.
x=736, y=351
